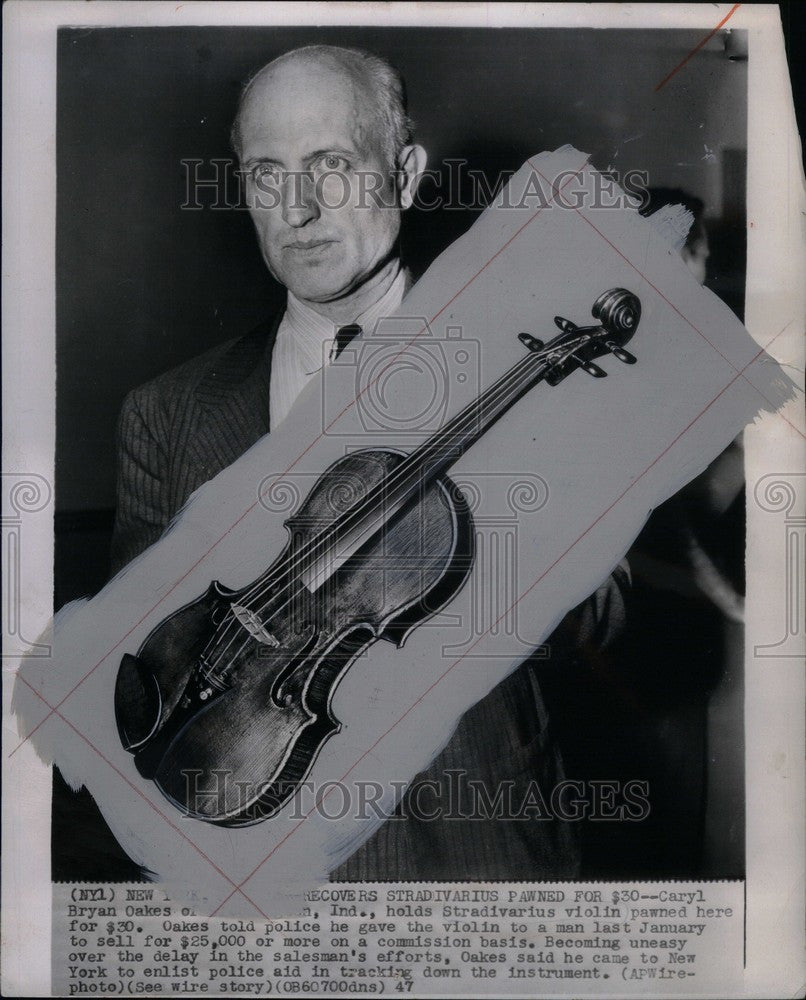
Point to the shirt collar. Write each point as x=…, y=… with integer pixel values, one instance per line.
x=385, y=306
x=313, y=335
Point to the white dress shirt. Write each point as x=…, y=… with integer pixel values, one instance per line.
x=306, y=341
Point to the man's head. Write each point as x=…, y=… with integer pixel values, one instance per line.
x=695, y=251
x=325, y=143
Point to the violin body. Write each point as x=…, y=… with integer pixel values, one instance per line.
x=232, y=752
x=228, y=701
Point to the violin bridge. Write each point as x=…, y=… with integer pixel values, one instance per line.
x=253, y=625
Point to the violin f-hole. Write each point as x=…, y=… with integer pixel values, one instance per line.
x=279, y=694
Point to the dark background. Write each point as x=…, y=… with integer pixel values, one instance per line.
x=143, y=284
x=793, y=21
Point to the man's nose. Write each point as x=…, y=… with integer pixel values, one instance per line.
x=300, y=204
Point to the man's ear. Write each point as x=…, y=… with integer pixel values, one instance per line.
x=411, y=164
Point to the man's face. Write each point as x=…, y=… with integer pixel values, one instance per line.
x=307, y=132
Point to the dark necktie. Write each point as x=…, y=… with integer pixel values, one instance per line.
x=344, y=335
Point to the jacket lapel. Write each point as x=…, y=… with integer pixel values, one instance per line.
x=233, y=402
x=233, y=397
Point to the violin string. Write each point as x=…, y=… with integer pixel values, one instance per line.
x=515, y=377
x=518, y=376
x=398, y=475
x=519, y=373
x=393, y=480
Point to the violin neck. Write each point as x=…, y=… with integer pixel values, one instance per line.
x=447, y=445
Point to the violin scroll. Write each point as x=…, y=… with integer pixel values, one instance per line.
x=619, y=312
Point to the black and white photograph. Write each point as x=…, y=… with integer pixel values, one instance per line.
x=179, y=269
x=410, y=469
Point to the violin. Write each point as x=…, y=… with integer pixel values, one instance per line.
x=227, y=703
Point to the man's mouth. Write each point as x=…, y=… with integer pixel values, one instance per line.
x=307, y=244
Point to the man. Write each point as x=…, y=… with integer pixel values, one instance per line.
x=313, y=115
x=313, y=112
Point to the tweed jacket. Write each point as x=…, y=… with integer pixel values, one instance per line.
x=180, y=430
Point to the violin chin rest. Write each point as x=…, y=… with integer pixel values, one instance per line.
x=138, y=702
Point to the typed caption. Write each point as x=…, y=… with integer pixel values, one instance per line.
x=417, y=939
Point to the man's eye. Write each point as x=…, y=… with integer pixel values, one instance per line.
x=333, y=162
x=265, y=172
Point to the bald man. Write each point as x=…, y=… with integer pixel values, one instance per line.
x=318, y=116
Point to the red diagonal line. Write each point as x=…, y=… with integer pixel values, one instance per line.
x=299, y=457
x=54, y=710
x=697, y=47
x=652, y=285
x=775, y=408
x=501, y=617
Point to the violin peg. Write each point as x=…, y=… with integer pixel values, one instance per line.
x=531, y=342
x=624, y=356
x=565, y=324
x=590, y=368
